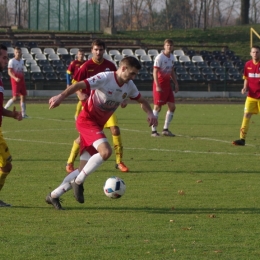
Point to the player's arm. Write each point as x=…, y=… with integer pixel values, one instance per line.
x=56, y=100
x=244, y=89
x=68, y=78
x=155, y=78
x=12, y=75
x=174, y=79
x=14, y=114
x=152, y=120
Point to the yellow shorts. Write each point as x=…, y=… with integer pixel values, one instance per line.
x=5, y=156
x=252, y=105
x=112, y=121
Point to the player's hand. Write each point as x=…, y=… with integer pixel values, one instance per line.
x=55, y=101
x=17, y=114
x=17, y=79
x=82, y=96
x=124, y=104
x=176, y=88
x=243, y=90
x=152, y=120
x=158, y=89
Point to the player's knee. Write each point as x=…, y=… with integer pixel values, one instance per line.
x=115, y=130
x=106, y=153
x=77, y=140
x=247, y=115
x=7, y=167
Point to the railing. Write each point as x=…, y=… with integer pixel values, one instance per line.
x=252, y=31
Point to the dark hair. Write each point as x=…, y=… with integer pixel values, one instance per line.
x=17, y=48
x=131, y=62
x=3, y=47
x=98, y=42
x=255, y=47
x=80, y=50
x=169, y=41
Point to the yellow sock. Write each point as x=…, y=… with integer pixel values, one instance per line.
x=3, y=176
x=244, y=127
x=73, y=153
x=78, y=109
x=118, y=147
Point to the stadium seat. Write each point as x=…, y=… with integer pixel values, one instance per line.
x=35, y=50
x=74, y=51
x=62, y=51
x=40, y=56
x=118, y=58
x=5, y=75
x=37, y=76
x=10, y=50
x=208, y=58
x=222, y=58
x=24, y=50
x=32, y=44
x=202, y=64
x=148, y=65
x=65, y=57
x=194, y=71
x=191, y=53
x=178, y=53
x=145, y=58
x=197, y=58
x=207, y=71
x=127, y=52
x=60, y=69
x=235, y=59
x=227, y=64
x=181, y=70
x=30, y=62
x=53, y=56
x=107, y=57
x=19, y=44
x=34, y=68
x=211, y=77
x=229, y=53
x=215, y=64
x=184, y=58
x=10, y=55
x=7, y=43
x=48, y=51
x=237, y=77
x=234, y=71
x=51, y=76
x=63, y=76
x=145, y=76
x=152, y=53
x=27, y=56
x=140, y=52
x=185, y=77
x=216, y=53
x=203, y=52
x=239, y=65
x=24, y=68
x=27, y=75
x=176, y=64
x=47, y=68
x=112, y=53
x=220, y=71
x=43, y=63
x=198, y=77
x=56, y=63
x=225, y=77
x=188, y=64
x=143, y=70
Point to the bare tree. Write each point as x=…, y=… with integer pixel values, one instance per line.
x=244, y=15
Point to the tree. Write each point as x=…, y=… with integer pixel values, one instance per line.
x=244, y=15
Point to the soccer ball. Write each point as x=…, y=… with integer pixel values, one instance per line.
x=114, y=188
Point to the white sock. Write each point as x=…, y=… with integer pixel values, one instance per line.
x=168, y=119
x=155, y=113
x=9, y=103
x=61, y=190
x=93, y=163
x=23, y=108
x=65, y=185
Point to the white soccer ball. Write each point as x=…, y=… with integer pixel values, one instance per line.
x=114, y=188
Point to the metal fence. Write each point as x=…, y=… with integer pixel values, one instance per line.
x=63, y=15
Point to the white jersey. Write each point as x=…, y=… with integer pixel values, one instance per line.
x=17, y=67
x=105, y=97
x=165, y=66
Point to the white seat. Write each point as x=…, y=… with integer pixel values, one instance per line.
x=114, y=52
x=53, y=56
x=61, y=51
x=35, y=68
x=27, y=56
x=144, y=58
x=74, y=51
x=118, y=58
x=152, y=53
x=10, y=50
x=197, y=58
x=107, y=57
x=127, y=52
x=24, y=50
x=48, y=51
x=140, y=52
x=30, y=62
x=90, y=56
x=24, y=68
x=35, y=50
x=178, y=53
x=40, y=56
x=184, y=58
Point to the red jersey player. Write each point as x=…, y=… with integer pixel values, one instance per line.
x=108, y=91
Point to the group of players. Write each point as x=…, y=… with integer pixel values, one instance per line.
x=101, y=88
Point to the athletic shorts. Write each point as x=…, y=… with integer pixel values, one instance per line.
x=164, y=97
x=5, y=156
x=89, y=133
x=252, y=105
x=19, y=89
x=112, y=121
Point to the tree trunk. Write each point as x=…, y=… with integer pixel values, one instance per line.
x=244, y=16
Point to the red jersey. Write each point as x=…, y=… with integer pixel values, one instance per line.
x=74, y=67
x=252, y=74
x=1, y=100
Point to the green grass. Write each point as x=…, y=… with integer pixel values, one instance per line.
x=216, y=218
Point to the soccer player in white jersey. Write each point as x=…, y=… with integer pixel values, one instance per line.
x=16, y=73
x=163, y=72
x=108, y=90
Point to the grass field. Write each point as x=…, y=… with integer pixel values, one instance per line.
x=194, y=196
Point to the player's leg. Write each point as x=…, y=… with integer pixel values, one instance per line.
x=5, y=166
x=112, y=124
x=23, y=94
x=156, y=111
x=78, y=109
x=251, y=107
x=10, y=102
x=73, y=155
x=168, y=119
